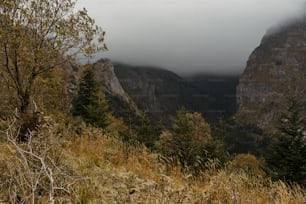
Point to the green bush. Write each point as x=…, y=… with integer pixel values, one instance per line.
x=189, y=143
x=247, y=163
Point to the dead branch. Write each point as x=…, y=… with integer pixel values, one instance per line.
x=32, y=172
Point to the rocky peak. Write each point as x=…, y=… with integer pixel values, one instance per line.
x=275, y=71
x=106, y=77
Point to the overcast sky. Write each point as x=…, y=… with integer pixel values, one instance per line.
x=187, y=35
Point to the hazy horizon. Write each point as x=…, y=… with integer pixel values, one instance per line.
x=213, y=36
x=192, y=73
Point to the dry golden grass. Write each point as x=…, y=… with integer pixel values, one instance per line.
x=113, y=172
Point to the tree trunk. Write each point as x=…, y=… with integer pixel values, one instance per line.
x=26, y=117
x=25, y=101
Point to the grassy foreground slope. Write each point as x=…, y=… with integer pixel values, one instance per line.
x=93, y=166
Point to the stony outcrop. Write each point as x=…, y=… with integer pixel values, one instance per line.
x=275, y=71
x=106, y=77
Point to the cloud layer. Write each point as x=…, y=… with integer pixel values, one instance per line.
x=188, y=36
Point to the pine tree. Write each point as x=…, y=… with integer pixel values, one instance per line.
x=147, y=133
x=287, y=158
x=90, y=103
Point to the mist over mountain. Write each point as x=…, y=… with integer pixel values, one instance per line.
x=187, y=36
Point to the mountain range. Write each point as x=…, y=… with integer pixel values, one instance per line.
x=275, y=71
x=161, y=93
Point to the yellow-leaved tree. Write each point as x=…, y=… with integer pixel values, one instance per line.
x=38, y=36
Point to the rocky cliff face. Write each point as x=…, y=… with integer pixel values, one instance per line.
x=106, y=77
x=120, y=103
x=161, y=93
x=275, y=71
x=155, y=91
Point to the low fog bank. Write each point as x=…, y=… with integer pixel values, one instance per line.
x=187, y=73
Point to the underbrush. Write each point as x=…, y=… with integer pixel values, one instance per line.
x=60, y=166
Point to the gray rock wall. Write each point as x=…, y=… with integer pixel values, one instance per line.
x=275, y=71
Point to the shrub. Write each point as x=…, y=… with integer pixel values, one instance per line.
x=247, y=163
x=189, y=143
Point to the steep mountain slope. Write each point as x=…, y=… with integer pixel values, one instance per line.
x=105, y=75
x=120, y=103
x=161, y=93
x=156, y=91
x=275, y=71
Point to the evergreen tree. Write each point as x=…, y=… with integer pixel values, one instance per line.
x=90, y=103
x=287, y=156
x=190, y=143
x=140, y=129
x=147, y=133
x=242, y=138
